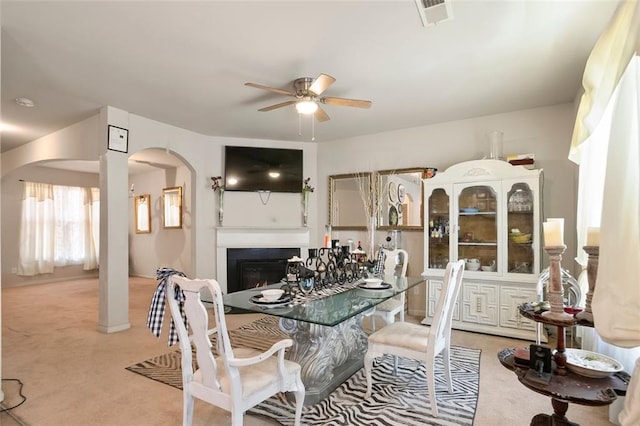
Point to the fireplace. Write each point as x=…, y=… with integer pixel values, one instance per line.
x=250, y=267
x=229, y=238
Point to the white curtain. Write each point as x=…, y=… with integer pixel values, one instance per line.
x=606, y=143
x=37, y=228
x=92, y=229
x=609, y=58
x=618, y=285
x=59, y=227
x=608, y=197
x=70, y=225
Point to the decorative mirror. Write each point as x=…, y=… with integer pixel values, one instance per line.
x=172, y=207
x=400, y=198
x=346, y=205
x=142, y=213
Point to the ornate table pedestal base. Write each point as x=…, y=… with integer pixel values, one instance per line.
x=550, y=420
x=328, y=355
x=557, y=418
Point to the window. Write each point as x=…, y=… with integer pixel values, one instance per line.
x=609, y=196
x=59, y=227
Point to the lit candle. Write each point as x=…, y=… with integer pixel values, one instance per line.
x=593, y=236
x=553, y=232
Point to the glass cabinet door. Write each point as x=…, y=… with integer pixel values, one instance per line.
x=438, y=221
x=520, y=227
x=478, y=228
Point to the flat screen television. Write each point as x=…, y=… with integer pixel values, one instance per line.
x=262, y=169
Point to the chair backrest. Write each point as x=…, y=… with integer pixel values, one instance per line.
x=394, y=258
x=440, y=332
x=198, y=321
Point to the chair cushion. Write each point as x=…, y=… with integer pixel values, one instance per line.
x=253, y=377
x=402, y=334
x=389, y=305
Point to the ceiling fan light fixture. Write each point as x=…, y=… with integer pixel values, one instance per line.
x=306, y=107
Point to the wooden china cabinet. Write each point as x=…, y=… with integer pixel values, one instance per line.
x=487, y=210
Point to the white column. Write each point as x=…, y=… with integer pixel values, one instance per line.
x=1, y=393
x=113, y=298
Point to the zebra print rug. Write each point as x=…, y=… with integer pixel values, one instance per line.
x=400, y=399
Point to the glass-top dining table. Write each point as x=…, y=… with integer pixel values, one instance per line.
x=325, y=326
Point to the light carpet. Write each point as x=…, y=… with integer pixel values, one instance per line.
x=400, y=399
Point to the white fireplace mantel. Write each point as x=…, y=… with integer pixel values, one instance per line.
x=255, y=238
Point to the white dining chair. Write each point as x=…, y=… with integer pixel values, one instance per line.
x=395, y=263
x=235, y=379
x=404, y=339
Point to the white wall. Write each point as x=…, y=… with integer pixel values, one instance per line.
x=192, y=248
x=545, y=132
x=12, y=191
x=203, y=157
x=79, y=141
x=161, y=247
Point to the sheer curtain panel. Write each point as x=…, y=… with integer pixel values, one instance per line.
x=92, y=228
x=606, y=144
x=37, y=230
x=60, y=227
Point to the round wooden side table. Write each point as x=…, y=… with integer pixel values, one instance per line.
x=565, y=386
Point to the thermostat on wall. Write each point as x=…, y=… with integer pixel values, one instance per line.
x=118, y=139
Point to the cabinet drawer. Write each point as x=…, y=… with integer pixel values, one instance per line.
x=480, y=303
x=510, y=299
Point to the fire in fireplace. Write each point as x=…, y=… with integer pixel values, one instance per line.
x=251, y=267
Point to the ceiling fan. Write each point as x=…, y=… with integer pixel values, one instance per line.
x=307, y=92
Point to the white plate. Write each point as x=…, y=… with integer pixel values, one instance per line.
x=469, y=210
x=393, y=192
x=383, y=286
x=272, y=305
x=591, y=364
x=261, y=301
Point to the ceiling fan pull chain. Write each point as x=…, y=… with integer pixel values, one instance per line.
x=299, y=124
x=313, y=129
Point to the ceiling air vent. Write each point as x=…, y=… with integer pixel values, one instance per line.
x=434, y=11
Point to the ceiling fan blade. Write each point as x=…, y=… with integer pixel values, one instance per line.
x=270, y=89
x=346, y=102
x=321, y=83
x=321, y=115
x=280, y=105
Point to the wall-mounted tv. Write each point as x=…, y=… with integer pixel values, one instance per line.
x=262, y=169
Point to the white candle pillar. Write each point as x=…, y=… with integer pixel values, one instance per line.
x=593, y=236
x=553, y=232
